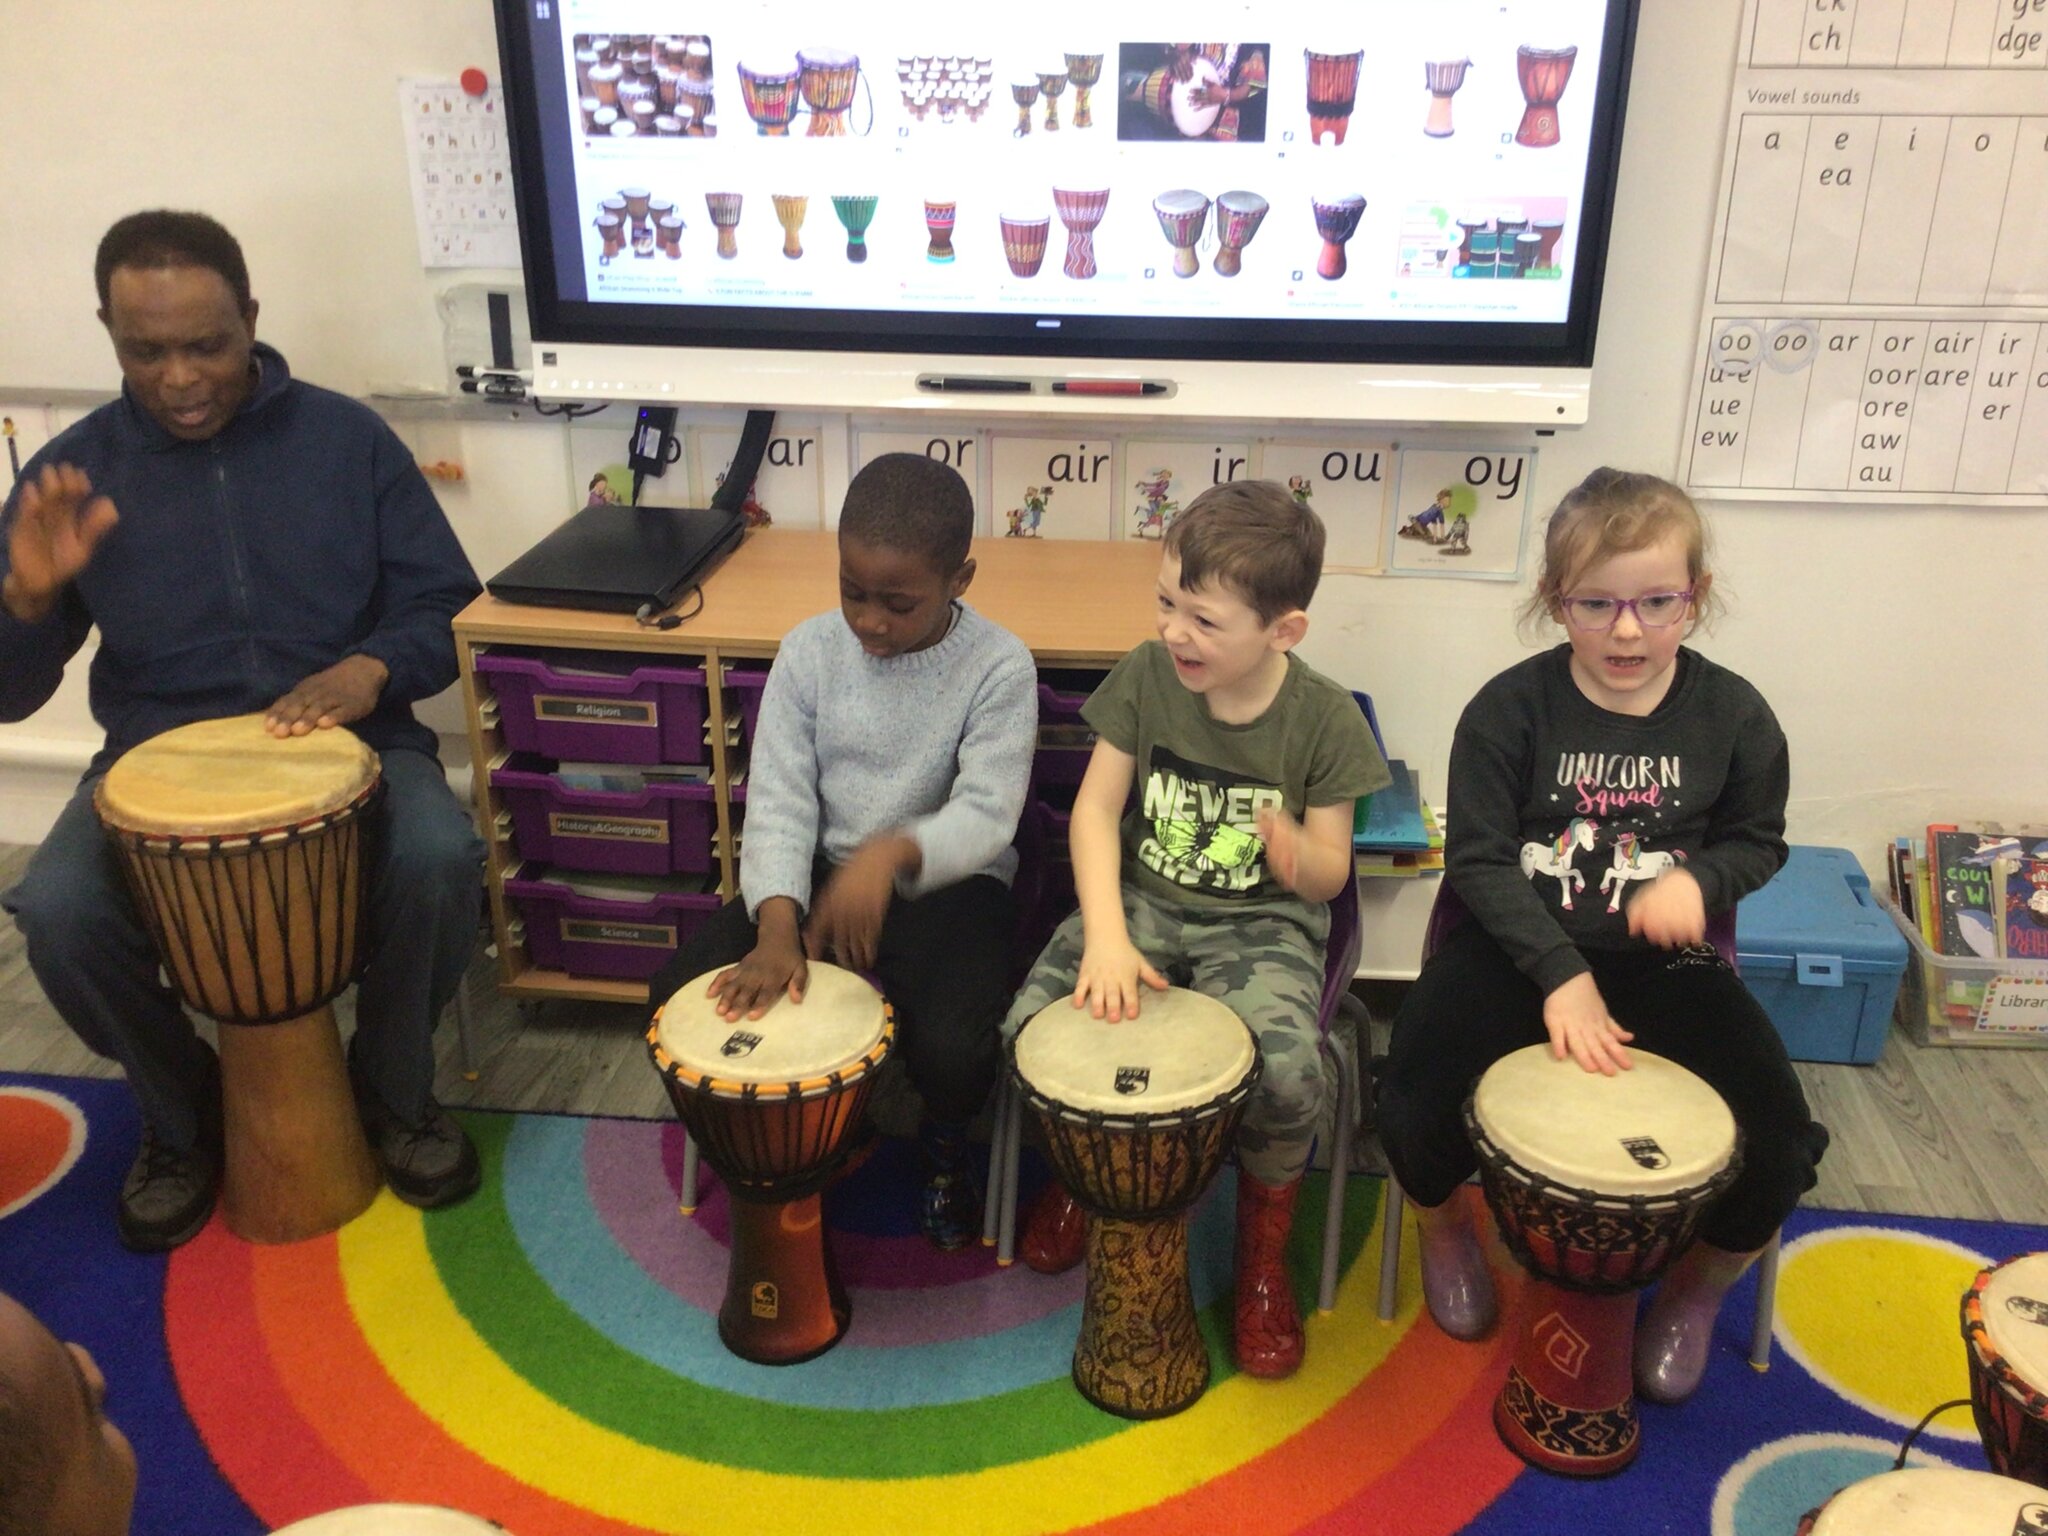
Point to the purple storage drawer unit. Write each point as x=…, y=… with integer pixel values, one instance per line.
x=589, y=936
x=660, y=830
x=650, y=714
x=1064, y=740
x=744, y=682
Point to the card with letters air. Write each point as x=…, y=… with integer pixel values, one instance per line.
x=1461, y=512
x=1055, y=487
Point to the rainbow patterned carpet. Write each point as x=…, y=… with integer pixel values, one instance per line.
x=546, y=1355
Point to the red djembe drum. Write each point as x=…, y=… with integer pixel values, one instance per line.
x=1598, y=1184
x=1547, y=233
x=789, y=213
x=1332, y=93
x=611, y=235
x=1336, y=221
x=1081, y=212
x=1544, y=73
x=1443, y=79
x=1024, y=242
x=724, y=208
x=1137, y=1117
x=1183, y=214
x=1083, y=71
x=770, y=97
x=938, y=224
x=826, y=78
x=1238, y=216
x=1931, y=1501
x=773, y=1104
x=246, y=857
x=2005, y=1326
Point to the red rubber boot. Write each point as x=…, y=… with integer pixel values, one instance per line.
x=1268, y=1334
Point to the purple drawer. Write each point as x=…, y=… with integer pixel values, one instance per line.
x=588, y=936
x=660, y=830
x=743, y=683
x=651, y=714
x=1064, y=739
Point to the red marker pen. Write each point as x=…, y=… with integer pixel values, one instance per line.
x=1107, y=387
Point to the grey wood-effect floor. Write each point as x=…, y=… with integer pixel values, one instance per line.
x=1925, y=1131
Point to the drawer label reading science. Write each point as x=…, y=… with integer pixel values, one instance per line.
x=644, y=935
x=610, y=829
x=557, y=706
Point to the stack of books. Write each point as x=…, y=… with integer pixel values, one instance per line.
x=1977, y=891
x=1394, y=833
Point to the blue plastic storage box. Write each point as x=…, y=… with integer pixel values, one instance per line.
x=1821, y=956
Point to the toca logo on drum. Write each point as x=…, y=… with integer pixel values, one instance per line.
x=1131, y=1080
x=2033, y=1521
x=740, y=1042
x=1645, y=1151
x=765, y=1300
x=2031, y=1308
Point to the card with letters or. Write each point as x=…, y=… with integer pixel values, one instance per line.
x=788, y=490
x=1054, y=487
x=955, y=445
x=461, y=169
x=1875, y=327
x=1345, y=481
x=1162, y=475
x=1460, y=512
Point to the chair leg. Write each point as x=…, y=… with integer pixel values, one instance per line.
x=1766, y=1304
x=1344, y=1054
x=688, y=1203
x=1013, y=1143
x=992, y=1206
x=1390, y=1249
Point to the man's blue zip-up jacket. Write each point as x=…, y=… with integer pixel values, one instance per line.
x=299, y=534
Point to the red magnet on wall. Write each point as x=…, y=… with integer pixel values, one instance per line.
x=475, y=81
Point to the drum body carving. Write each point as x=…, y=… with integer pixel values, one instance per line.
x=1598, y=1184
x=1336, y=221
x=1238, y=216
x=855, y=214
x=1443, y=80
x=1024, y=243
x=773, y=1105
x=826, y=78
x=1332, y=93
x=1183, y=215
x=2005, y=1327
x=1081, y=212
x=1137, y=1118
x=247, y=857
x=1543, y=73
x=770, y=97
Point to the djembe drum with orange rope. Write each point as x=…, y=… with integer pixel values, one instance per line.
x=246, y=854
x=2005, y=1326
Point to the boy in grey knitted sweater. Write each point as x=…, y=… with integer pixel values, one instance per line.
x=883, y=792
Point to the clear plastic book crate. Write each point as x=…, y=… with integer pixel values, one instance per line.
x=1962, y=1000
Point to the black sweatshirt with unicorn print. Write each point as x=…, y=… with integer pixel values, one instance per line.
x=1557, y=806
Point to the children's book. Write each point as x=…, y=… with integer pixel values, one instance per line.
x=1391, y=817
x=1959, y=884
x=2019, y=886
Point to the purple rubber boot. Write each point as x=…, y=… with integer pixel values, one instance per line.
x=1455, y=1280
x=1673, y=1335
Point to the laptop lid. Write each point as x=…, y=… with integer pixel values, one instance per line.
x=617, y=558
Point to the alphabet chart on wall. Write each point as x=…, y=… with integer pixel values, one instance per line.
x=1875, y=327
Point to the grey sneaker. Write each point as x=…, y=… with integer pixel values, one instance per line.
x=429, y=1165
x=168, y=1194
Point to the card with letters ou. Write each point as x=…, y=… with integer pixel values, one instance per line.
x=1054, y=487
x=1460, y=512
x=1344, y=482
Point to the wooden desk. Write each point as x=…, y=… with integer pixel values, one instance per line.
x=1080, y=604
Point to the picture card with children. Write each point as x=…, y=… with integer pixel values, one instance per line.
x=1162, y=476
x=1054, y=487
x=1461, y=512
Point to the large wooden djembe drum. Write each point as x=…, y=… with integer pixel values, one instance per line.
x=247, y=857
x=2005, y=1326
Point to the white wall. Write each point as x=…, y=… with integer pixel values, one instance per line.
x=1898, y=646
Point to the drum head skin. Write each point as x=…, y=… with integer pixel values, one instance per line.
x=840, y=1021
x=393, y=1520
x=1652, y=1130
x=1183, y=1049
x=2016, y=1318
x=223, y=777
x=1944, y=1500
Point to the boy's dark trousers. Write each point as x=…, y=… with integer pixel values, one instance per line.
x=945, y=962
x=1471, y=1006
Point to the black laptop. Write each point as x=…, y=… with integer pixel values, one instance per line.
x=619, y=559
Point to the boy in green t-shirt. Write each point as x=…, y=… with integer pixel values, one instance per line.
x=1247, y=763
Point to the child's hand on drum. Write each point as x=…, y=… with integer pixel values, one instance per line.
x=1670, y=912
x=1282, y=836
x=775, y=967
x=58, y=523
x=1581, y=1027
x=343, y=693
x=846, y=916
x=1108, y=984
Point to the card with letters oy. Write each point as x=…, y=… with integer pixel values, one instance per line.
x=1460, y=512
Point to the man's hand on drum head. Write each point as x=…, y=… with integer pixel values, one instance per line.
x=58, y=523
x=343, y=693
x=1581, y=1027
x=1108, y=984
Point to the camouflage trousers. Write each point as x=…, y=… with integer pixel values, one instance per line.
x=1265, y=963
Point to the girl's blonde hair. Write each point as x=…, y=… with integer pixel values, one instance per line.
x=1617, y=512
